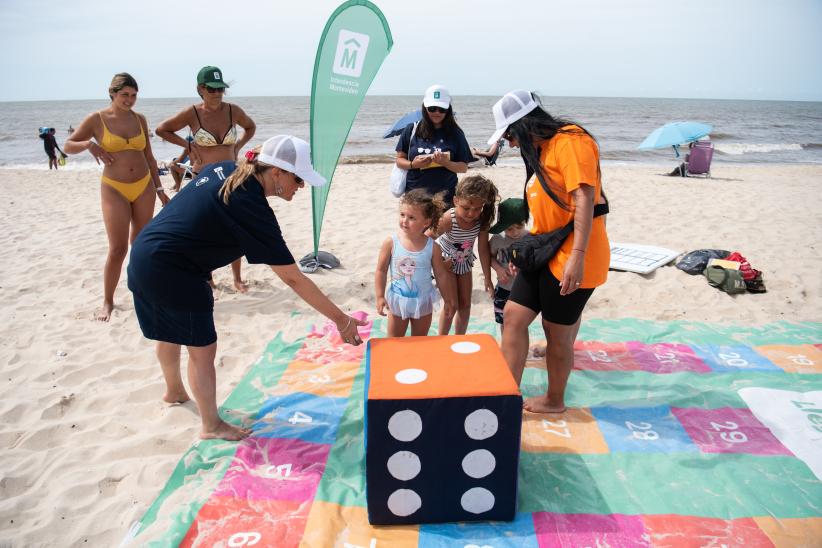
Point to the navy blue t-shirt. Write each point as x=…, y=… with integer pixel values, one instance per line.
x=173, y=256
x=435, y=179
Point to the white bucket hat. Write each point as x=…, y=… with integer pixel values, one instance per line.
x=291, y=154
x=437, y=96
x=513, y=106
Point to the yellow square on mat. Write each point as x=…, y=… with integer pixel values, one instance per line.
x=795, y=532
x=575, y=431
x=348, y=526
x=332, y=380
x=799, y=358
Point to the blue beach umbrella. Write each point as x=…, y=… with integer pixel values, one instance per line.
x=399, y=125
x=674, y=134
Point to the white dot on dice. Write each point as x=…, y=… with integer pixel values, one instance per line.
x=405, y=425
x=481, y=424
x=465, y=347
x=479, y=463
x=404, y=465
x=410, y=376
x=477, y=500
x=404, y=502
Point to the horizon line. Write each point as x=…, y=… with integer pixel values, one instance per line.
x=465, y=95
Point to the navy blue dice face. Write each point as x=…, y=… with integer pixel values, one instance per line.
x=442, y=460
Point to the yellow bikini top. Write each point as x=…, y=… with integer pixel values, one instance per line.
x=115, y=143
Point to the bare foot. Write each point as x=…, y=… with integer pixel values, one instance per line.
x=537, y=350
x=176, y=398
x=225, y=431
x=104, y=314
x=541, y=404
x=241, y=286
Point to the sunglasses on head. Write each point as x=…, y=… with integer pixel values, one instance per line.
x=437, y=109
x=215, y=90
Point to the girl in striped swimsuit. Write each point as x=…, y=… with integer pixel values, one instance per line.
x=468, y=220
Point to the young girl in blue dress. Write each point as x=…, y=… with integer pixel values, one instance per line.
x=469, y=220
x=405, y=292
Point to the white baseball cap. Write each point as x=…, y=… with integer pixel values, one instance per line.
x=437, y=96
x=513, y=106
x=293, y=155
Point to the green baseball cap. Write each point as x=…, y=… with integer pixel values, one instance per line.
x=211, y=77
x=511, y=212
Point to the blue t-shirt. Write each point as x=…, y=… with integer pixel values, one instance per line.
x=173, y=256
x=435, y=179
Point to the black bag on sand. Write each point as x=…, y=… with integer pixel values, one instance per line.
x=696, y=262
x=533, y=251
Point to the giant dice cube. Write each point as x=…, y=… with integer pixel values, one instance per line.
x=442, y=429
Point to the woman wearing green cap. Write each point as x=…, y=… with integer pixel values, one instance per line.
x=214, y=136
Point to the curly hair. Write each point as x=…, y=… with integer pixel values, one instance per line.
x=477, y=187
x=432, y=207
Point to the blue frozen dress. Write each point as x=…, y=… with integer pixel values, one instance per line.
x=410, y=293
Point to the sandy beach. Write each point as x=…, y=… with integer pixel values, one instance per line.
x=86, y=441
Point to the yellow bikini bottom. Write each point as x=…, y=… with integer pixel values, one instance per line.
x=129, y=191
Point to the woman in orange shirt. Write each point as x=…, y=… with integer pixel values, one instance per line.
x=563, y=185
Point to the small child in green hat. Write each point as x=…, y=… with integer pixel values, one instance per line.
x=510, y=226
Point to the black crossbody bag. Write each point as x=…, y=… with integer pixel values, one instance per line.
x=533, y=251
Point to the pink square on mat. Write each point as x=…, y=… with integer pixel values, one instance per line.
x=274, y=469
x=600, y=356
x=728, y=430
x=667, y=358
x=615, y=530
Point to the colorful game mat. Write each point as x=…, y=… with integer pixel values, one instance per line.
x=677, y=434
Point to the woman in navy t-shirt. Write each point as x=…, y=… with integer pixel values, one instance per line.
x=220, y=216
x=438, y=149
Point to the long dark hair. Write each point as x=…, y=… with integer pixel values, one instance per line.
x=538, y=126
x=425, y=129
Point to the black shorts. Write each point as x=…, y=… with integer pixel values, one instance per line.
x=161, y=323
x=500, y=298
x=539, y=291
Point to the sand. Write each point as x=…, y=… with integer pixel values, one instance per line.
x=86, y=441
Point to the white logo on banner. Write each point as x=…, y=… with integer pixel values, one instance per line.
x=794, y=418
x=351, y=50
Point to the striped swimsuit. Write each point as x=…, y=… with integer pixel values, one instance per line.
x=458, y=245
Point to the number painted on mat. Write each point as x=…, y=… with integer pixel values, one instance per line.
x=800, y=359
x=244, y=539
x=642, y=431
x=278, y=471
x=319, y=379
x=733, y=359
x=668, y=358
x=600, y=356
x=300, y=418
x=814, y=415
x=731, y=437
x=548, y=425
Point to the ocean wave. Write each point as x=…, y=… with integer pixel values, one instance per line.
x=736, y=149
x=812, y=146
x=718, y=135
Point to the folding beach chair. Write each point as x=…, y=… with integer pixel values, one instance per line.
x=699, y=160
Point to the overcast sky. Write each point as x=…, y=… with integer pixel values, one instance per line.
x=726, y=49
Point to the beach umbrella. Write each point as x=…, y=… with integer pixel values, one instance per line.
x=399, y=125
x=674, y=134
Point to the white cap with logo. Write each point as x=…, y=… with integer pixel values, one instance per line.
x=291, y=154
x=437, y=96
x=513, y=106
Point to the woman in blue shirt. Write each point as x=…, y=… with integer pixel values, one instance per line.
x=438, y=149
x=220, y=216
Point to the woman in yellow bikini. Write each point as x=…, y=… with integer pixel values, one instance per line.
x=117, y=137
x=213, y=125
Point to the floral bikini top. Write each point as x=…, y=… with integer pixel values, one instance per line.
x=204, y=138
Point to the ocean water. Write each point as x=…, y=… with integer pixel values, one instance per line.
x=757, y=132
